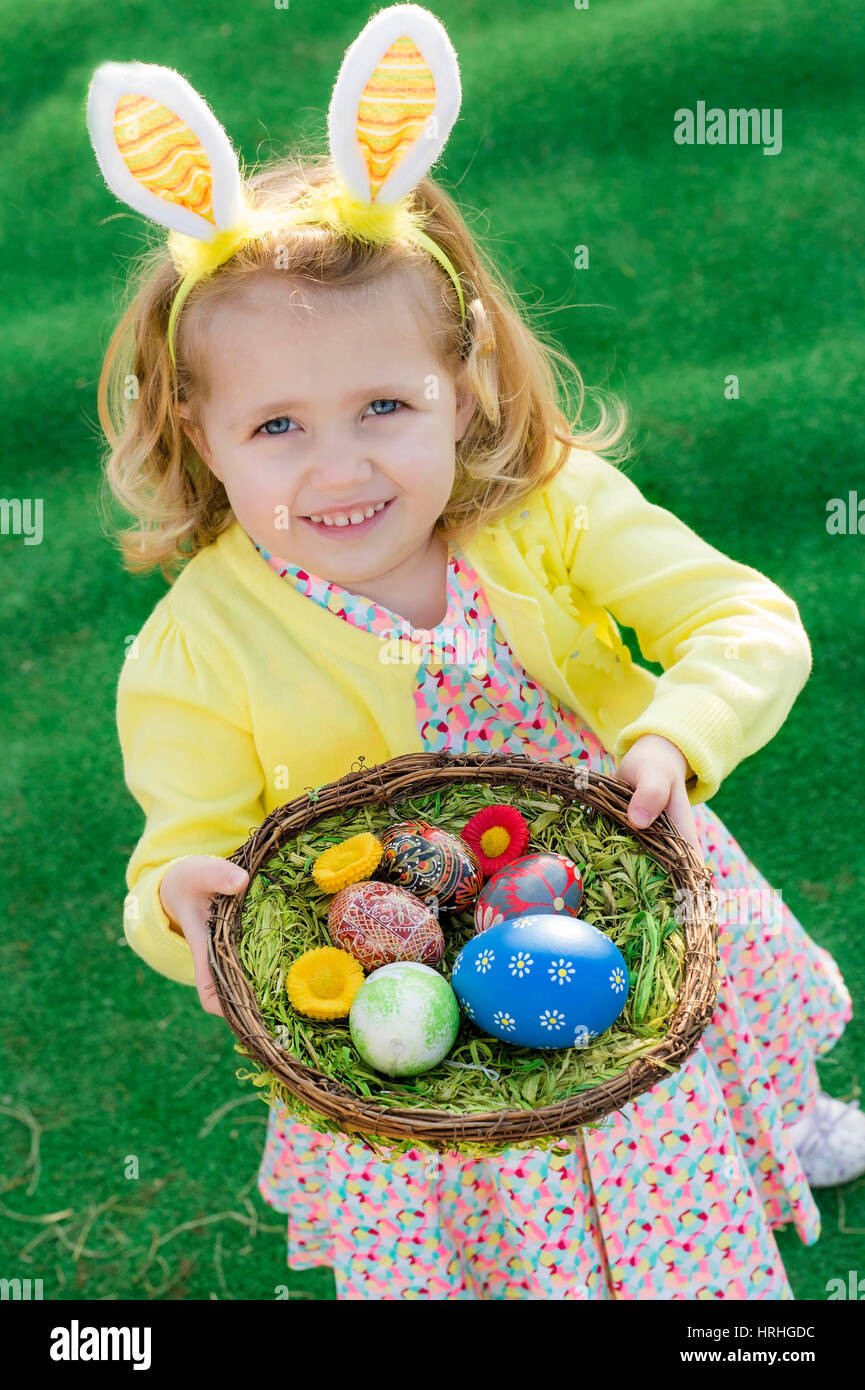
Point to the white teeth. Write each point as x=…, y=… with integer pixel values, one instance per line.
x=355, y=519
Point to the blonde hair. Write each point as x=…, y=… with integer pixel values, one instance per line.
x=508, y=450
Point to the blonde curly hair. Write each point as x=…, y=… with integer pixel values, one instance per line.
x=518, y=375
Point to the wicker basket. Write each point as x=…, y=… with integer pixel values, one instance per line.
x=412, y=775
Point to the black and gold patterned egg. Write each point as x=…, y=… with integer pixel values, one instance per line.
x=431, y=863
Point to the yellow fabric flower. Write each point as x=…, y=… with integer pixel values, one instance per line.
x=322, y=983
x=348, y=862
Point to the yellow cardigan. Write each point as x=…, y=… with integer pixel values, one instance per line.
x=239, y=693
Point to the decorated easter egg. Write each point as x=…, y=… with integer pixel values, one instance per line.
x=536, y=883
x=380, y=923
x=542, y=980
x=404, y=1019
x=431, y=863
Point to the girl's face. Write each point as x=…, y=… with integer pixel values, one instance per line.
x=331, y=424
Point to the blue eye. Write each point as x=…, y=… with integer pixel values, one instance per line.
x=278, y=420
x=280, y=423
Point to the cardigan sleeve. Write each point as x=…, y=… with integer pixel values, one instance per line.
x=732, y=644
x=189, y=760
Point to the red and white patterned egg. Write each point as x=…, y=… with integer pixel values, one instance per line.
x=535, y=883
x=381, y=923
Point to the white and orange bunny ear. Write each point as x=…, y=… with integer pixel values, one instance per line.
x=394, y=103
x=162, y=150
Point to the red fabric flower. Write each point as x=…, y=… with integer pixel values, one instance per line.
x=498, y=835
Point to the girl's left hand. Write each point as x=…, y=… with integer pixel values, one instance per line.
x=658, y=770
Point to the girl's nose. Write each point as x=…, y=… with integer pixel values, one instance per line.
x=340, y=472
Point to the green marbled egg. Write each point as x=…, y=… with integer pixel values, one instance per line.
x=404, y=1019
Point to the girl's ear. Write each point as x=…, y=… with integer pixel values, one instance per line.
x=466, y=403
x=162, y=150
x=394, y=103
x=199, y=443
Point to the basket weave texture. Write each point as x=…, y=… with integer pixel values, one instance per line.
x=415, y=774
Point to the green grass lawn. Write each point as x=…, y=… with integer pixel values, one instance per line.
x=705, y=261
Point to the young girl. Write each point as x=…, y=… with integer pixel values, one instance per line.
x=342, y=428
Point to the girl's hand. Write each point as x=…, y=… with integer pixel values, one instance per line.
x=185, y=893
x=658, y=770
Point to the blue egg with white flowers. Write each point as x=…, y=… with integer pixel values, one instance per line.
x=542, y=980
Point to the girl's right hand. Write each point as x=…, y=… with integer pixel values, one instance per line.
x=185, y=893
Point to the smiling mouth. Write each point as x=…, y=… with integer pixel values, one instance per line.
x=352, y=519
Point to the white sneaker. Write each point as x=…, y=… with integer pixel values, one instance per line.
x=830, y=1141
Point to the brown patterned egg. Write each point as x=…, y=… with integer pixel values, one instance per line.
x=431, y=863
x=381, y=923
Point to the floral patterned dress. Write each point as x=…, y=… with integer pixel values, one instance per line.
x=678, y=1194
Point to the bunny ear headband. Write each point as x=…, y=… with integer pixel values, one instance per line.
x=162, y=150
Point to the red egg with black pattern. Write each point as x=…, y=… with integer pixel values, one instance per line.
x=536, y=883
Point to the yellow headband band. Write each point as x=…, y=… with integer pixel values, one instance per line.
x=326, y=204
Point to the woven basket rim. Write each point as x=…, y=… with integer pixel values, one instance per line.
x=414, y=774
